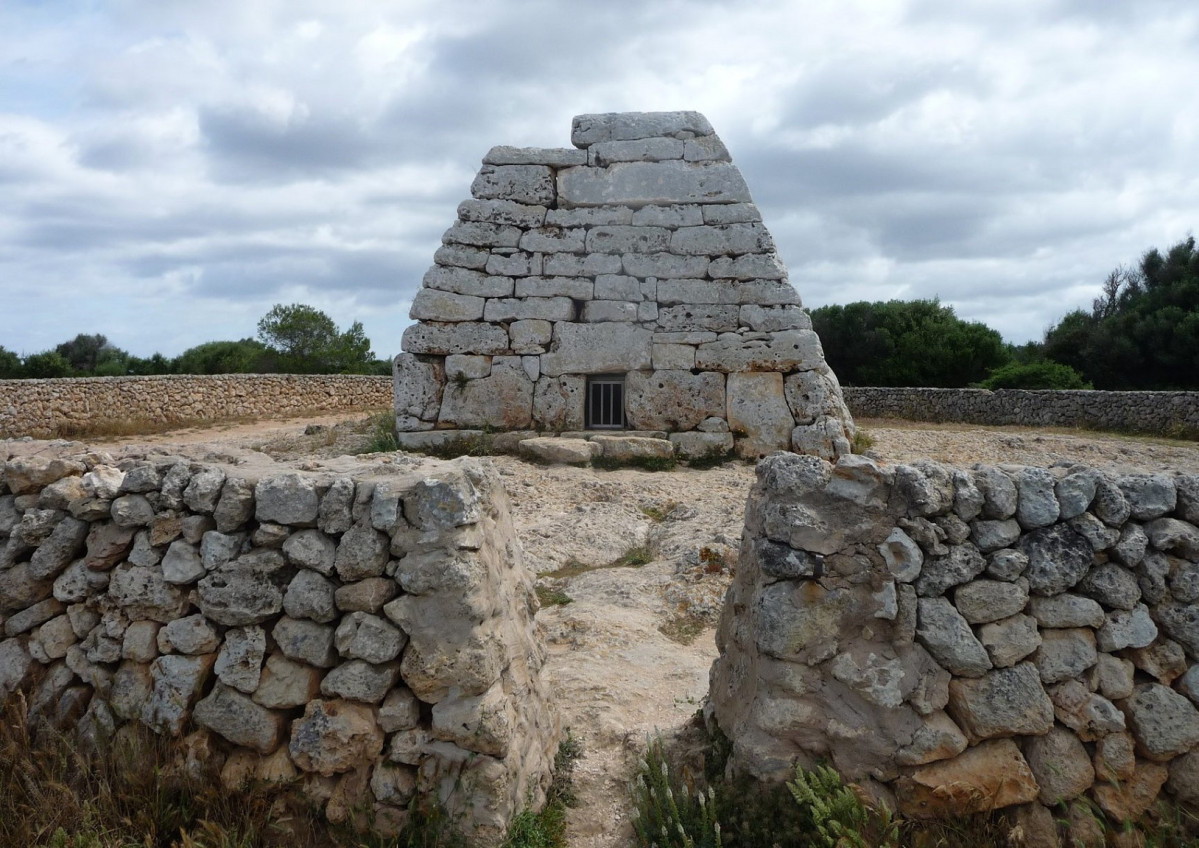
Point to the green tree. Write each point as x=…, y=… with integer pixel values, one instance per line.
x=84, y=352
x=247, y=356
x=47, y=364
x=906, y=343
x=10, y=365
x=1143, y=330
x=308, y=342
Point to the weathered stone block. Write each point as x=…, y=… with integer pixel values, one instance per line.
x=503, y=400
x=526, y=308
x=531, y=184
x=510, y=212
x=444, y=339
x=555, y=157
x=597, y=349
x=558, y=403
x=619, y=126
x=757, y=412
x=795, y=350
x=673, y=400
x=435, y=305
x=603, y=153
x=660, y=183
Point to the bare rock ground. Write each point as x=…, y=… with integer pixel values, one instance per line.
x=631, y=646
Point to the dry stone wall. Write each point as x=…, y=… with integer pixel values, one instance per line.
x=43, y=408
x=968, y=639
x=367, y=630
x=639, y=254
x=1163, y=413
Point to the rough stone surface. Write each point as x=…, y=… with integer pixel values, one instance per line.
x=642, y=258
x=988, y=777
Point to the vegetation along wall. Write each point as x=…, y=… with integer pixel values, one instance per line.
x=42, y=408
x=368, y=628
x=1163, y=413
x=968, y=640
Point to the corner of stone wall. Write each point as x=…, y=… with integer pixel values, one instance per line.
x=369, y=632
x=962, y=640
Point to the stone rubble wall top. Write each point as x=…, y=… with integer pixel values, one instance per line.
x=365, y=629
x=968, y=639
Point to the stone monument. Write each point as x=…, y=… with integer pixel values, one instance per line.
x=627, y=283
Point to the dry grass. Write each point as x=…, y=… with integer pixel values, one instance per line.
x=139, y=793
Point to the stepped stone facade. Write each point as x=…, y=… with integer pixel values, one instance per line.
x=627, y=283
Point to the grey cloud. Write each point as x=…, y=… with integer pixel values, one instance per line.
x=246, y=146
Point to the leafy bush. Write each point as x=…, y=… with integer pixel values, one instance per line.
x=1034, y=375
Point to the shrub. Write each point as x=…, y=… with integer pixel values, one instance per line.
x=1034, y=375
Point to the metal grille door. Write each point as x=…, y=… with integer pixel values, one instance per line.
x=605, y=403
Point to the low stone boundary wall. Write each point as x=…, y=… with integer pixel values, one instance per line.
x=967, y=640
x=42, y=408
x=368, y=630
x=1161, y=413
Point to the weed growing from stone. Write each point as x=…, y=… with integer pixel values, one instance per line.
x=382, y=434
x=547, y=829
x=634, y=557
x=657, y=513
x=711, y=459
x=645, y=463
x=862, y=441
x=551, y=597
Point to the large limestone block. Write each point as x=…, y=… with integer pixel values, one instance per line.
x=586, y=130
x=508, y=212
x=628, y=239
x=530, y=184
x=758, y=413
x=503, y=309
x=559, y=403
x=988, y=777
x=672, y=400
x=632, y=448
x=468, y=282
x=664, y=266
x=444, y=339
x=560, y=451
x=717, y=318
x=434, y=305
x=794, y=350
x=597, y=349
x=750, y=266
x=502, y=401
x=660, y=183
x=811, y=394
x=604, y=153
x=721, y=240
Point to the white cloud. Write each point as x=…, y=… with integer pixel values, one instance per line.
x=172, y=169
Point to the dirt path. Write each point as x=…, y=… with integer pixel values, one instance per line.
x=630, y=650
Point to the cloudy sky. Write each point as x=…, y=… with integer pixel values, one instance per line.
x=169, y=169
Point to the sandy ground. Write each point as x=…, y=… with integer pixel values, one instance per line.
x=631, y=649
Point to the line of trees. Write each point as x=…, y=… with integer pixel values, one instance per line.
x=1142, y=333
x=292, y=339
